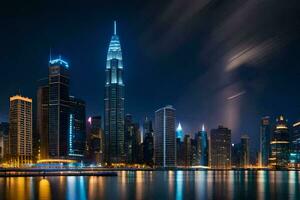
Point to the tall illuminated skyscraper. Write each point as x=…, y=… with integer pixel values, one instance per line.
x=114, y=102
x=280, y=144
x=204, y=147
x=77, y=129
x=59, y=108
x=165, y=138
x=20, y=130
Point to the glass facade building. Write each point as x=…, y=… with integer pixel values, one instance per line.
x=280, y=144
x=114, y=102
x=165, y=138
x=295, y=146
x=77, y=128
x=265, y=139
x=42, y=118
x=59, y=108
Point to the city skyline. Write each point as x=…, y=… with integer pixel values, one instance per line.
x=240, y=94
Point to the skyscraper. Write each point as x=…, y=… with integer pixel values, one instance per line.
x=96, y=140
x=20, y=130
x=77, y=131
x=59, y=108
x=132, y=140
x=245, y=153
x=201, y=140
x=187, y=151
x=4, y=134
x=42, y=118
x=295, y=146
x=164, y=137
x=148, y=148
x=280, y=144
x=220, y=142
x=114, y=102
x=265, y=139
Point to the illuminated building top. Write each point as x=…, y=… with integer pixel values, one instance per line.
x=59, y=62
x=19, y=97
x=114, y=49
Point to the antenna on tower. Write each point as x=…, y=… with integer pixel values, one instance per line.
x=115, y=27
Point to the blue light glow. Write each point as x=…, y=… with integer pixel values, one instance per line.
x=59, y=61
x=179, y=132
x=71, y=134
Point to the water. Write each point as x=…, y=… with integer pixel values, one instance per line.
x=158, y=185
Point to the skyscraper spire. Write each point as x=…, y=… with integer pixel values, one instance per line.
x=203, y=128
x=115, y=27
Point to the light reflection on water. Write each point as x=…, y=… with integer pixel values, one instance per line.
x=158, y=185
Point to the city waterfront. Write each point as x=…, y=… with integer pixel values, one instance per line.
x=158, y=185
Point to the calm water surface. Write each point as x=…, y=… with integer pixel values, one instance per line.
x=158, y=185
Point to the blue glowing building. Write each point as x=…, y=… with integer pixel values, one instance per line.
x=204, y=147
x=77, y=128
x=179, y=132
x=59, y=108
x=114, y=102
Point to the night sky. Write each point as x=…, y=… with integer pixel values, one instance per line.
x=224, y=62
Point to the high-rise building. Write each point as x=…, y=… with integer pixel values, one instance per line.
x=164, y=137
x=195, y=154
x=114, y=102
x=265, y=139
x=20, y=130
x=236, y=155
x=96, y=143
x=245, y=152
x=42, y=118
x=187, y=151
x=4, y=143
x=179, y=152
x=220, y=147
x=132, y=140
x=201, y=143
x=295, y=146
x=148, y=145
x=204, y=147
x=197, y=145
x=77, y=129
x=179, y=132
x=128, y=138
x=280, y=144
x=59, y=108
